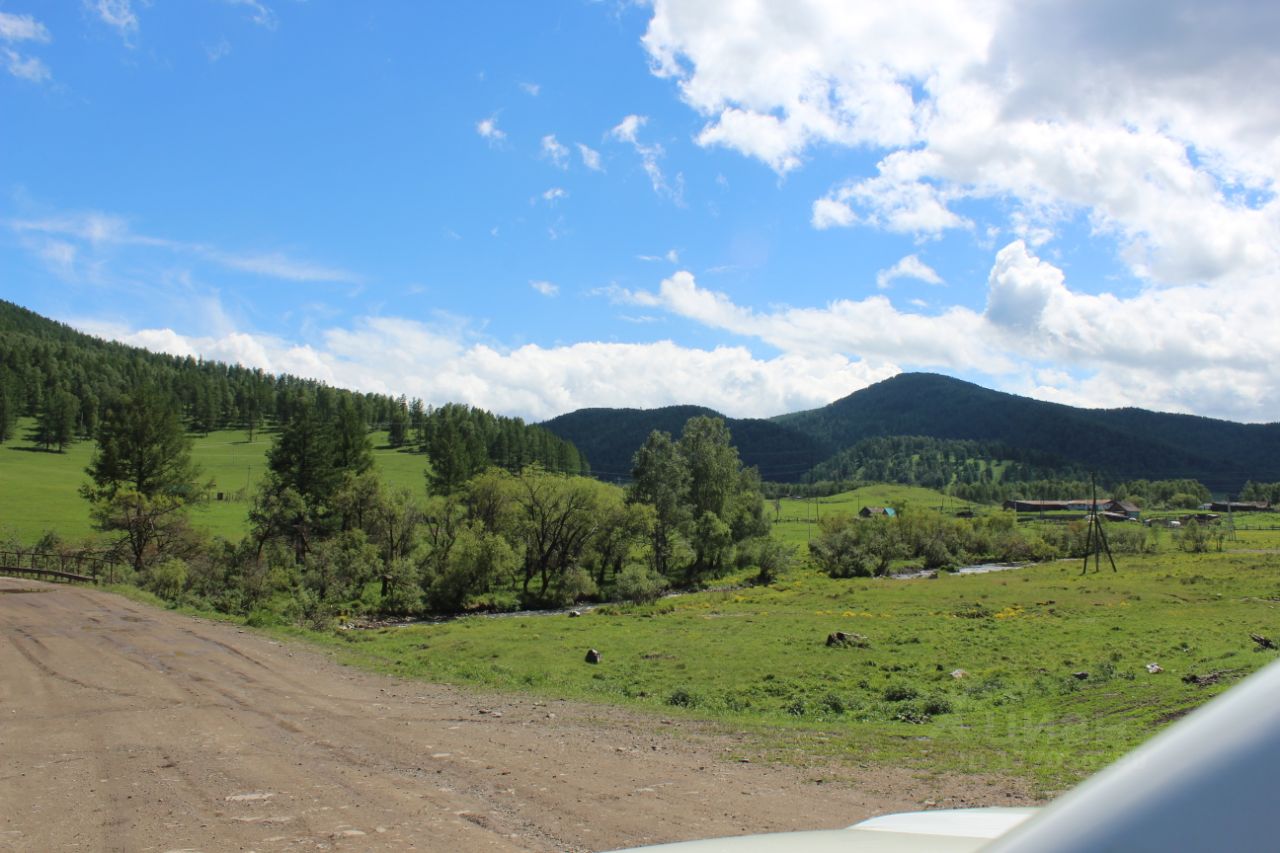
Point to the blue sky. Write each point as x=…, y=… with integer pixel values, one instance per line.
x=757, y=205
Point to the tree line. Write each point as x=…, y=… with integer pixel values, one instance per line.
x=65, y=380
x=327, y=536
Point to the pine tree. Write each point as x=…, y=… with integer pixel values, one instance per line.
x=142, y=475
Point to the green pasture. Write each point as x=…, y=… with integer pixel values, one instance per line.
x=795, y=520
x=1038, y=673
x=39, y=489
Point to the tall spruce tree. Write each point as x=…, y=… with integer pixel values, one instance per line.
x=142, y=477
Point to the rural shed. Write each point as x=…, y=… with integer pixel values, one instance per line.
x=1125, y=508
x=877, y=512
x=1241, y=506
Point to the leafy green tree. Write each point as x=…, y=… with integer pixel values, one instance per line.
x=475, y=560
x=661, y=480
x=557, y=516
x=142, y=476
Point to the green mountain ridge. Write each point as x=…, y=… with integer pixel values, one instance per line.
x=610, y=437
x=1125, y=443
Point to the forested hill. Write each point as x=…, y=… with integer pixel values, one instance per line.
x=65, y=378
x=1126, y=443
x=610, y=438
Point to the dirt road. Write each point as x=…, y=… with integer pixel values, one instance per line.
x=124, y=728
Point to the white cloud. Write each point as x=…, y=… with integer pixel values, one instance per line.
x=488, y=129
x=398, y=356
x=1153, y=121
x=554, y=194
x=218, y=51
x=260, y=13
x=628, y=131
x=278, y=265
x=909, y=267
x=554, y=151
x=590, y=158
x=98, y=231
x=531, y=89
x=1170, y=348
x=14, y=28
x=24, y=67
x=671, y=256
x=23, y=28
x=117, y=14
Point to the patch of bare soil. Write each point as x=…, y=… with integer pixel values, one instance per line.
x=125, y=728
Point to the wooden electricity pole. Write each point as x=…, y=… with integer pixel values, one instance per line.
x=1096, y=539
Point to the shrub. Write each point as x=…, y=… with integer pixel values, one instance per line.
x=639, y=584
x=572, y=585
x=899, y=693
x=167, y=579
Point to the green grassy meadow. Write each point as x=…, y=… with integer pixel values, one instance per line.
x=1038, y=673
x=1053, y=684
x=796, y=520
x=39, y=490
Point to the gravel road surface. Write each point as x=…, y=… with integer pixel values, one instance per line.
x=126, y=728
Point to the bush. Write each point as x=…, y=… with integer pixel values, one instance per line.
x=639, y=584
x=572, y=585
x=899, y=693
x=167, y=579
x=770, y=557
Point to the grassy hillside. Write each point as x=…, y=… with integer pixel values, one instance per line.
x=41, y=489
x=1037, y=672
x=795, y=521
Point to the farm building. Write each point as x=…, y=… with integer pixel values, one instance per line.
x=1114, y=507
x=1125, y=508
x=877, y=512
x=1241, y=506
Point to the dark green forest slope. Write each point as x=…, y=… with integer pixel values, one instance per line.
x=610, y=438
x=1126, y=443
x=65, y=379
x=1054, y=439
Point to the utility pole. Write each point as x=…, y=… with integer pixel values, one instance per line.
x=1096, y=538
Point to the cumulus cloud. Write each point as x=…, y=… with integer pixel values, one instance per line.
x=651, y=154
x=397, y=356
x=260, y=13
x=554, y=194
x=117, y=14
x=590, y=158
x=15, y=29
x=1153, y=120
x=1149, y=124
x=1170, y=348
x=546, y=288
x=488, y=129
x=554, y=151
x=24, y=67
x=909, y=267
